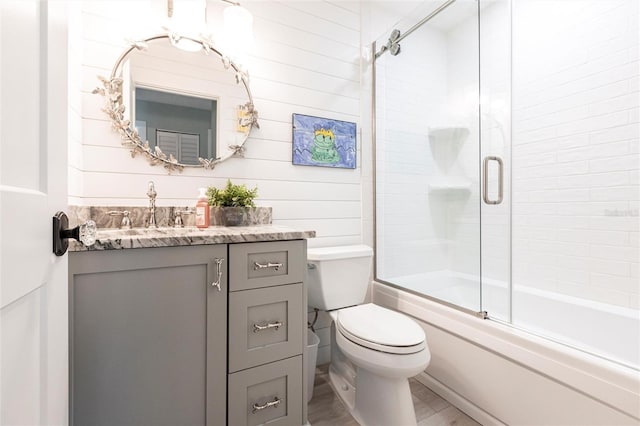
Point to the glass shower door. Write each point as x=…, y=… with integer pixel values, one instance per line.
x=507, y=164
x=495, y=148
x=427, y=157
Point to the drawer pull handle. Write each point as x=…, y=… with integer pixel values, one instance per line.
x=274, y=403
x=257, y=265
x=260, y=327
x=218, y=280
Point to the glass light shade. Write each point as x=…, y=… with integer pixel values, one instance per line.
x=188, y=20
x=238, y=29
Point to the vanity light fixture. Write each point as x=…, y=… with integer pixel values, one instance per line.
x=238, y=28
x=187, y=21
x=187, y=18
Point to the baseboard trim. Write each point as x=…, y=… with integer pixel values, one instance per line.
x=457, y=400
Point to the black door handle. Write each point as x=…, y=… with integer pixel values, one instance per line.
x=85, y=233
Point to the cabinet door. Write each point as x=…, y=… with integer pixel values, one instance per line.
x=148, y=337
x=266, y=264
x=265, y=325
x=269, y=394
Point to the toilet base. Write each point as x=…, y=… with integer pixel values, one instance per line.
x=375, y=400
x=345, y=390
x=382, y=401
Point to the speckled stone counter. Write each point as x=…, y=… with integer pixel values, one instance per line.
x=117, y=239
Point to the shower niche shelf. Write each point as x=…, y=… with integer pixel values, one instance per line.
x=457, y=188
x=448, y=134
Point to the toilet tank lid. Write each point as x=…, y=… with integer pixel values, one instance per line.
x=339, y=252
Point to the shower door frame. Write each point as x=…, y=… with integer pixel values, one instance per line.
x=395, y=37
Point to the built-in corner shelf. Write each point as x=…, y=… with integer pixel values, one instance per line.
x=448, y=134
x=453, y=188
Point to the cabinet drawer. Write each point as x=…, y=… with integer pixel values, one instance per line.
x=265, y=325
x=256, y=265
x=271, y=393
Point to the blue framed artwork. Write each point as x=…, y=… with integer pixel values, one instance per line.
x=323, y=142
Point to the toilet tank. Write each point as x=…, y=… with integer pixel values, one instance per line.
x=338, y=276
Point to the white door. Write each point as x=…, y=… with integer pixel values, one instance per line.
x=33, y=186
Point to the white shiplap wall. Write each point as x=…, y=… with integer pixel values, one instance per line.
x=306, y=60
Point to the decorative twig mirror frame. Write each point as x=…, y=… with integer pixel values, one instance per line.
x=114, y=107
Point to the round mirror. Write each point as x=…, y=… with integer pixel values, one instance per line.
x=179, y=102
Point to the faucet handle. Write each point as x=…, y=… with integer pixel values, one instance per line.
x=151, y=192
x=126, y=220
x=178, y=222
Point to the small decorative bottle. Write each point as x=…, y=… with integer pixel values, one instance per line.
x=202, y=209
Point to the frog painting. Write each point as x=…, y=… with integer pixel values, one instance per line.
x=323, y=142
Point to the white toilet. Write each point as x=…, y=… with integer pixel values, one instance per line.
x=385, y=346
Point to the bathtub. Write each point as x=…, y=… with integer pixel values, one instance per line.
x=500, y=375
x=580, y=323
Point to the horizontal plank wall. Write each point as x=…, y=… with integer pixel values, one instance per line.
x=306, y=60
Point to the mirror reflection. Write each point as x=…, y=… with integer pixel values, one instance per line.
x=181, y=125
x=179, y=108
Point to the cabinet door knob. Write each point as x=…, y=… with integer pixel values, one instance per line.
x=218, y=280
x=274, y=403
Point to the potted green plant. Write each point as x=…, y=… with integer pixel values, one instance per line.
x=233, y=200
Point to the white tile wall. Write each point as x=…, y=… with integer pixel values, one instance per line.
x=306, y=60
x=426, y=86
x=575, y=148
x=562, y=113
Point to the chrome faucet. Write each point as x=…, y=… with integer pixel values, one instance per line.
x=126, y=220
x=151, y=193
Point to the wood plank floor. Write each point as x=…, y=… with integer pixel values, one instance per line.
x=326, y=409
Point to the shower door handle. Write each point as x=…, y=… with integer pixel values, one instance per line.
x=485, y=180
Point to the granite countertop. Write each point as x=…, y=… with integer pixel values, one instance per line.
x=117, y=239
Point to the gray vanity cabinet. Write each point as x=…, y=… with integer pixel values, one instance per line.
x=267, y=333
x=154, y=342
x=148, y=336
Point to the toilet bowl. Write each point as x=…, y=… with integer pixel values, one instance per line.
x=384, y=342
x=387, y=348
x=374, y=350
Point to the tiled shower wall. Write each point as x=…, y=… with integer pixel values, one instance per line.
x=576, y=132
x=422, y=228
x=408, y=230
x=564, y=98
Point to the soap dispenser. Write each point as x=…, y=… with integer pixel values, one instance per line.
x=202, y=209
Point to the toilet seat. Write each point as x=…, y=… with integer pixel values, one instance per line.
x=380, y=329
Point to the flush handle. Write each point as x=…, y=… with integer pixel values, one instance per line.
x=85, y=233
